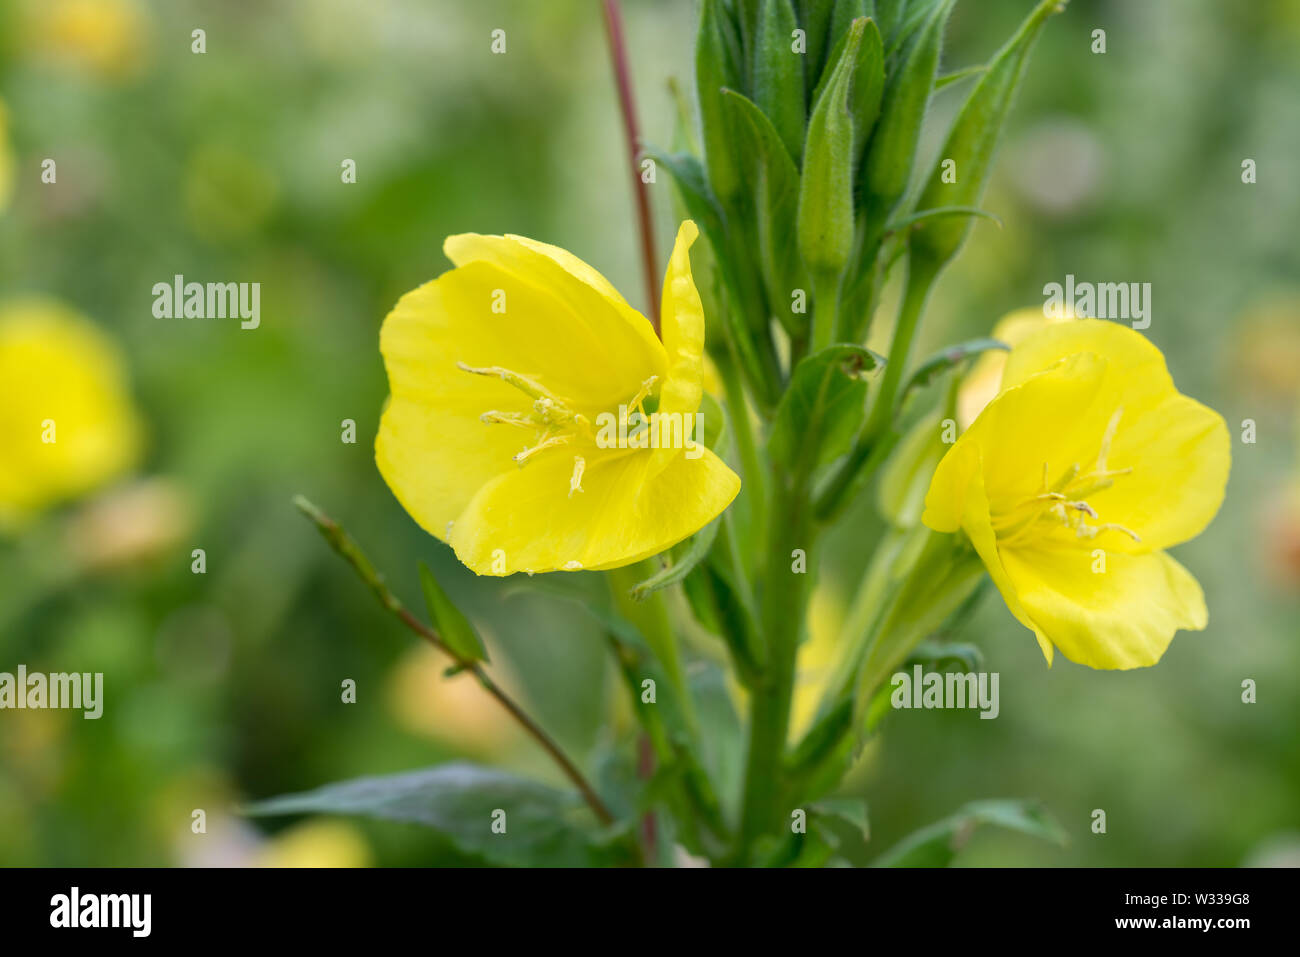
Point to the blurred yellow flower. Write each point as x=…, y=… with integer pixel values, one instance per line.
x=454, y=710
x=1071, y=483
x=319, y=843
x=108, y=38
x=982, y=383
x=67, y=423
x=524, y=345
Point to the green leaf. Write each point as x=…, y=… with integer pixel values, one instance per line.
x=723, y=748
x=938, y=844
x=815, y=19
x=776, y=203
x=452, y=626
x=543, y=825
x=973, y=139
x=946, y=656
x=939, y=363
x=825, y=218
x=939, y=211
x=693, y=187
x=698, y=550
x=718, y=65
x=846, y=810
x=824, y=405
x=778, y=74
x=958, y=75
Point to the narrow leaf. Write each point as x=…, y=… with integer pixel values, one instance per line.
x=942, y=361
x=453, y=627
x=938, y=844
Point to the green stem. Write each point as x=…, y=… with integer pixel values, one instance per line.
x=874, y=442
x=650, y=616
x=826, y=308
x=782, y=609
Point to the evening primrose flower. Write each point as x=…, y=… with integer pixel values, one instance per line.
x=981, y=384
x=1073, y=481
x=510, y=375
x=67, y=423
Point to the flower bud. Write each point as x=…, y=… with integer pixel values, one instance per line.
x=892, y=150
x=825, y=227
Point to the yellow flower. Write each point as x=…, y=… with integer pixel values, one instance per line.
x=67, y=423
x=980, y=385
x=108, y=38
x=319, y=843
x=515, y=429
x=1072, y=482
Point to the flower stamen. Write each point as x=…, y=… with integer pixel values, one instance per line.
x=1066, y=498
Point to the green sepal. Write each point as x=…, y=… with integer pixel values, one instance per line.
x=778, y=75
x=973, y=139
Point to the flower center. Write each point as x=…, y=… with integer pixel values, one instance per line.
x=553, y=423
x=1065, y=500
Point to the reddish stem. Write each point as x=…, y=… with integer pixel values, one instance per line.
x=627, y=103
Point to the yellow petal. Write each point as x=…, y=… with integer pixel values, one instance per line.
x=984, y=381
x=958, y=500
x=605, y=341
x=526, y=520
x=1178, y=449
x=432, y=449
x=1035, y=421
x=1181, y=454
x=682, y=325
x=1137, y=371
x=1124, y=617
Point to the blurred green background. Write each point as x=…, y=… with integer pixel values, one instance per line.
x=225, y=166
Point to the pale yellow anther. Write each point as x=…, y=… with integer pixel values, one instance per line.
x=1066, y=498
x=549, y=442
x=575, y=481
x=520, y=382
x=644, y=393
x=509, y=418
